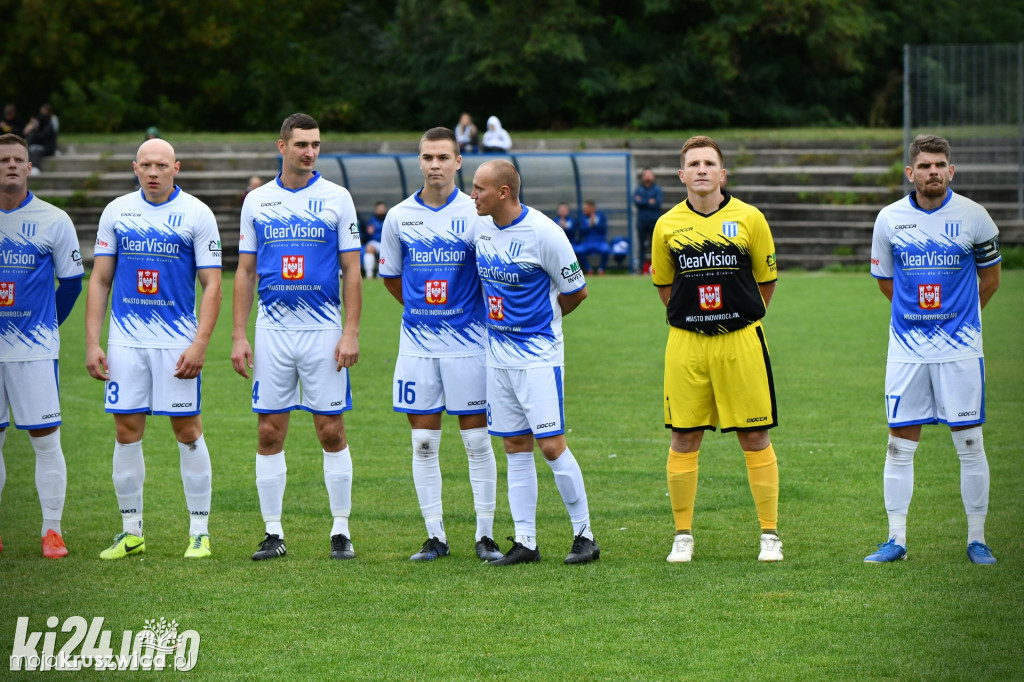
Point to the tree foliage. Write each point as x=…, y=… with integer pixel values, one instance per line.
x=112, y=65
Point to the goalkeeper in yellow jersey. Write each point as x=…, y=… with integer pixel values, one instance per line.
x=713, y=261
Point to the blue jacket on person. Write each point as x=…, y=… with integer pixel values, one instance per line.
x=647, y=213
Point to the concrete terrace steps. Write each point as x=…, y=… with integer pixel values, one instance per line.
x=821, y=199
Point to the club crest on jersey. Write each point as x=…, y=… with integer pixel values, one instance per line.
x=149, y=281
x=293, y=267
x=458, y=225
x=175, y=219
x=316, y=205
x=953, y=228
x=496, y=307
x=437, y=291
x=730, y=229
x=929, y=296
x=29, y=229
x=6, y=294
x=710, y=296
x=515, y=248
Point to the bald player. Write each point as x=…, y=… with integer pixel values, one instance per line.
x=531, y=279
x=150, y=247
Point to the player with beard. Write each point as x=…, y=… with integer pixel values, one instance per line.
x=936, y=257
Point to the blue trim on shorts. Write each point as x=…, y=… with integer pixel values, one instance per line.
x=509, y=434
x=142, y=410
x=406, y=410
x=913, y=422
x=32, y=427
x=260, y=410
x=461, y=413
x=175, y=414
x=325, y=412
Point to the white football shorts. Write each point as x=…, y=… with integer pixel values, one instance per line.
x=142, y=380
x=429, y=385
x=525, y=401
x=295, y=370
x=30, y=389
x=950, y=393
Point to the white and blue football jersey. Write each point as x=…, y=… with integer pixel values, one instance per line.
x=432, y=251
x=524, y=266
x=37, y=243
x=933, y=258
x=159, y=248
x=297, y=236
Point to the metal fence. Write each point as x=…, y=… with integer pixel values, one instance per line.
x=548, y=179
x=973, y=95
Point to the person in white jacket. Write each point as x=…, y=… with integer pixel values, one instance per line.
x=496, y=140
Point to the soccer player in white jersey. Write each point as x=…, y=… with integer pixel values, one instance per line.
x=531, y=279
x=427, y=264
x=936, y=256
x=37, y=244
x=150, y=247
x=296, y=230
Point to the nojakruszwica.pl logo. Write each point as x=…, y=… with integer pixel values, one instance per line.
x=78, y=644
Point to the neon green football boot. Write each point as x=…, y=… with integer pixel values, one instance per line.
x=124, y=545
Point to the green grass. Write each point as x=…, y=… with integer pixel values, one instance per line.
x=821, y=613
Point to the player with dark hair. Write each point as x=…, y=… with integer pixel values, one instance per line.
x=297, y=232
x=713, y=261
x=428, y=265
x=150, y=247
x=531, y=279
x=38, y=244
x=936, y=257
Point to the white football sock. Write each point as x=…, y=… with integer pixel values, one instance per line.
x=974, y=480
x=522, y=496
x=129, y=476
x=898, y=485
x=369, y=260
x=426, y=476
x=338, y=479
x=197, y=480
x=483, y=477
x=3, y=469
x=271, y=477
x=569, y=481
x=51, y=479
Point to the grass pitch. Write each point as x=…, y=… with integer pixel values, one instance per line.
x=821, y=613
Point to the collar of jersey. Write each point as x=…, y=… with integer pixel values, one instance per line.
x=725, y=200
x=316, y=176
x=451, y=198
x=23, y=204
x=522, y=214
x=913, y=201
x=176, y=192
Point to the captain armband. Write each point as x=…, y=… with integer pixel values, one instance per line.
x=987, y=252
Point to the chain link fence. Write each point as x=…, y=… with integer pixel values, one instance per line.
x=973, y=95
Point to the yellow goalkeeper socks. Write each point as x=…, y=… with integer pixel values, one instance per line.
x=682, y=487
x=763, y=473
